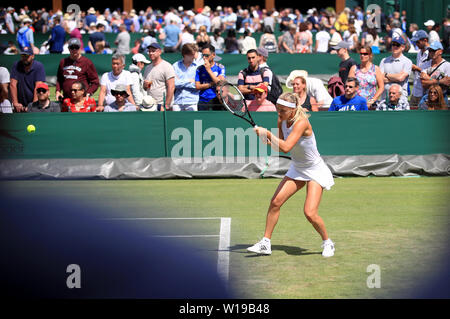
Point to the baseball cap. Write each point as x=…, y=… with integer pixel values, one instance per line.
x=155, y=45
x=420, y=34
x=27, y=51
x=398, y=40
x=436, y=45
x=342, y=45
x=139, y=57
x=261, y=88
x=429, y=23
x=74, y=42
x=42, y=85
x=262, y=52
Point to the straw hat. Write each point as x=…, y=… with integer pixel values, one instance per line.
x=148, y=104
x=295, y=74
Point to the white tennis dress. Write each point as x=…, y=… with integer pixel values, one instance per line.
x=306, y=162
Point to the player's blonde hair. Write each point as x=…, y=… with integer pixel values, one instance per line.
x=300, y=112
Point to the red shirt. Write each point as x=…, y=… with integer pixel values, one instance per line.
x=89, y=105
x=82, y=70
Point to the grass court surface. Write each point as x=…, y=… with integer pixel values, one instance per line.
x=399, y=224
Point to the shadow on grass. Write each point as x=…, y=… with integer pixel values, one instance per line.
x=289, y=250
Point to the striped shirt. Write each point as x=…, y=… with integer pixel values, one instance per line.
x=253, y=77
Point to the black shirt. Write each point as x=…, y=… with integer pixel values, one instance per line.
x=344, y=68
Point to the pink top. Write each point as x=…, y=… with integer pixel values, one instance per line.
x=77, y=34
x=267, y=106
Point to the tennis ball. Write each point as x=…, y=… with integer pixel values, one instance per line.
x=31, y=128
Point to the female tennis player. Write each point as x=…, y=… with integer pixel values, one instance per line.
x=307, y=168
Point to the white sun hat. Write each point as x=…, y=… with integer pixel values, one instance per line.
x=295, y=74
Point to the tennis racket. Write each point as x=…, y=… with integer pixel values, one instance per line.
x=233, y=100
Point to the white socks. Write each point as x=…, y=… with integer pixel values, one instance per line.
x=328, y=241
x=267, y=240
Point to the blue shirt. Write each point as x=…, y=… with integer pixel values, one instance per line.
x=341, y=103
x=185, y=91
x=172, y=32
x=27, y=81
x=58, y=38
x=202, y=76
x=90, y=18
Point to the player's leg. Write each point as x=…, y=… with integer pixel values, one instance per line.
x=311, y=210
x=285, y=190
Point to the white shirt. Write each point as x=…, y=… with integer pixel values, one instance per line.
x=433, y=36
x=316, y=89
x=187, y=37
x=423, y=64
x=323, y=37
x=110, y=81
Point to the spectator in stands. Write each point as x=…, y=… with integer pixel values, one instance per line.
x=231, y=43
x=58, y=36
x=79, y=102
x=433, y=29
x=97, y=36
x=260, y=103
x=396, y=68
x=439, y=70
x=230, y=19
x=171, y=35
x=435, y=99
x=314, y=88
x=26, y=74
x=322, y=39
x=420, y=38
x=335, y=39
x=120, y=104
x=351, y=37
x=251, y=76
x=299, y=88
x=25, y=38
x=111, y=79
x=147, y=40
x=159, y=78
x=43, y=103
x=287, y=43
x=202, y=37
x=350, y=101
x=76, y=33
x=11, y=49
x=268, y=40
x=9, y=21
x=218, y=42
x=187, y=36
x=5, y=104
x=346, y=61
x=263, y=56
x=397, y=102
x=342, y=23
x=206, y=78
x=303, y=39
x=90, y=17
x=186, y=95
x=369, y=76
x=123, y=41
x=373, y=40
x=75, y=68
x=137, y=80
x=248, y=42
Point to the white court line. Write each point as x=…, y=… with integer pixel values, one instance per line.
x=185, y=236
x=223, y=259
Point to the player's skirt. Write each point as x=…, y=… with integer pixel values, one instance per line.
x=319, y=173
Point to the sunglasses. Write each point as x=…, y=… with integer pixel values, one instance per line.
x=364, y=53
x=41, y=91
x=74, y=47
x=349, y=86
x=119, y=93
x=433, y=92
x=206, y=55
x=395, y=44
x=75, y=90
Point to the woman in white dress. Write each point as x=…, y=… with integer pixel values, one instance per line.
x=307, y=168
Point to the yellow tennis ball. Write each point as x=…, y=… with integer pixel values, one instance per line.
x=31, y=128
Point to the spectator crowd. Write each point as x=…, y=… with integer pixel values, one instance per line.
x=152, y=84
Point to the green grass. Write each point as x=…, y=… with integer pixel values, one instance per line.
x=399, y=224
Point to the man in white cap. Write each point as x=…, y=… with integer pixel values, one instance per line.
x=432, y=34
x=439, y=71
x=139, y=61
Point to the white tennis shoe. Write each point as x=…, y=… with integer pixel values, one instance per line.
x=328, y=248
x=262, y=248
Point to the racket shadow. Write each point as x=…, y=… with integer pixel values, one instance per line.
x=289, y=250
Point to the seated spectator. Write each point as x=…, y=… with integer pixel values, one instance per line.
x=335, y=39
x=97, y=36
x=100, y=48
x=231, y=43
x=299, y=88
x=268, y=40
x=248, y=42
x=260, y=103
x=79, y=102
x=218, y=42
x=139, y=61
x=350, y=101
x=435, y=99
x=322, y=39
x=288, y=41
x=11, y=49
x=120, y=92
x=202, y=37
x=314, y=88
x=397, y=102
x=5, y=104
x=43, y=103
x=439, y=71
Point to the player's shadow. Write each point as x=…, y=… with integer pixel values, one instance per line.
x=289, y=250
